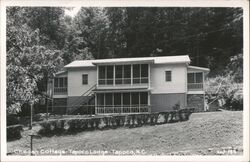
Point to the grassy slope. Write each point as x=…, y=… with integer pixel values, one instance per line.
x=201, y=132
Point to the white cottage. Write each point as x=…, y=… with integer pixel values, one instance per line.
x=128, y=85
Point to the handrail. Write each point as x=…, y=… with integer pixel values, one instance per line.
x=79, y=99
x=84, y=94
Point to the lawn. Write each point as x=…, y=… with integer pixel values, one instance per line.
x=207, y=133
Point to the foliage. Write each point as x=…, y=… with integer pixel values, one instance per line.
x=12, y=119
x=225, y=88
x=235, y=68
x=28, y=62
x=14, y=132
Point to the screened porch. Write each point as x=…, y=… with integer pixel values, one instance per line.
x=123, y=75
x=125, y=102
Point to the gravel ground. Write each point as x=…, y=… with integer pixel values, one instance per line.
x=210, y=133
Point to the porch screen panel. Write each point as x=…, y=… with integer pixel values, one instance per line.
x=135, y=98
x=102, y=75
x=127, y=74
x=109, y=99
x=117, y=99
x=144, y=98
x=191, y=78
x=126, y=99
x=56, y=82
x=136, y=74
x=199, y=78
x=110, y=72
x=118, y=74
x=117, y=103
x=144, y=73
x=61, y=82
x=100, y=99
x=65, y=82
x=126, y=102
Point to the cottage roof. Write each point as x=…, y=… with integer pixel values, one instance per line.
x=154, y=60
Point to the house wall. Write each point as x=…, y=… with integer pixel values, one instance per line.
x=75, y=86
x=158, y=83
x=165, y=102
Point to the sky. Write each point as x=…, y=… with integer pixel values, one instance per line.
x=72, y=12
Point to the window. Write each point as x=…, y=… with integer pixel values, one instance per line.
x=126, y=99
x=102, y=75
x=144, y=73
x=118, y=74
x=136, y=73
x=191, y=78
x=117, y=99
x=135, y=98
x=61, y=82
x=127, y=74
x=168, y=75
x=100, y=99
x=85, y=79
x=109, y=99
x=110, y=75
x=144, y=98
x=198, y=78
x=195, y=78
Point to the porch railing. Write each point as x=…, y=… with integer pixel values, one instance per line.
x=123, y=81
x=195, y=86
x=60, y=90
x=122, y=109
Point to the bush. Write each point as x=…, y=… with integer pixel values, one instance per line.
x=73, y=125
x=224, y=88
x=12, y=119
x=14, y=132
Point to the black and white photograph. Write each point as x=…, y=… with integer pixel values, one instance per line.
x=99, y=81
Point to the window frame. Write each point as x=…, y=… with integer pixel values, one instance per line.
x=195, y=77
x=166, y=78
x=87, y=79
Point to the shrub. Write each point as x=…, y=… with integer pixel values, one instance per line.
x=14, y=132
x=12, y=119
x=226, y=89
x=73, y=125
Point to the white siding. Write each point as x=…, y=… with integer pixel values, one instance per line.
x=75, y=86
x=158, y=83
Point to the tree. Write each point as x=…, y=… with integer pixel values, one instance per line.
x=28, y=62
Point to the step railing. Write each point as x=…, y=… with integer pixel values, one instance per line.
x=78, y=102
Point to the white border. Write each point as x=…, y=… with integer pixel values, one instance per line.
x=117, y=3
